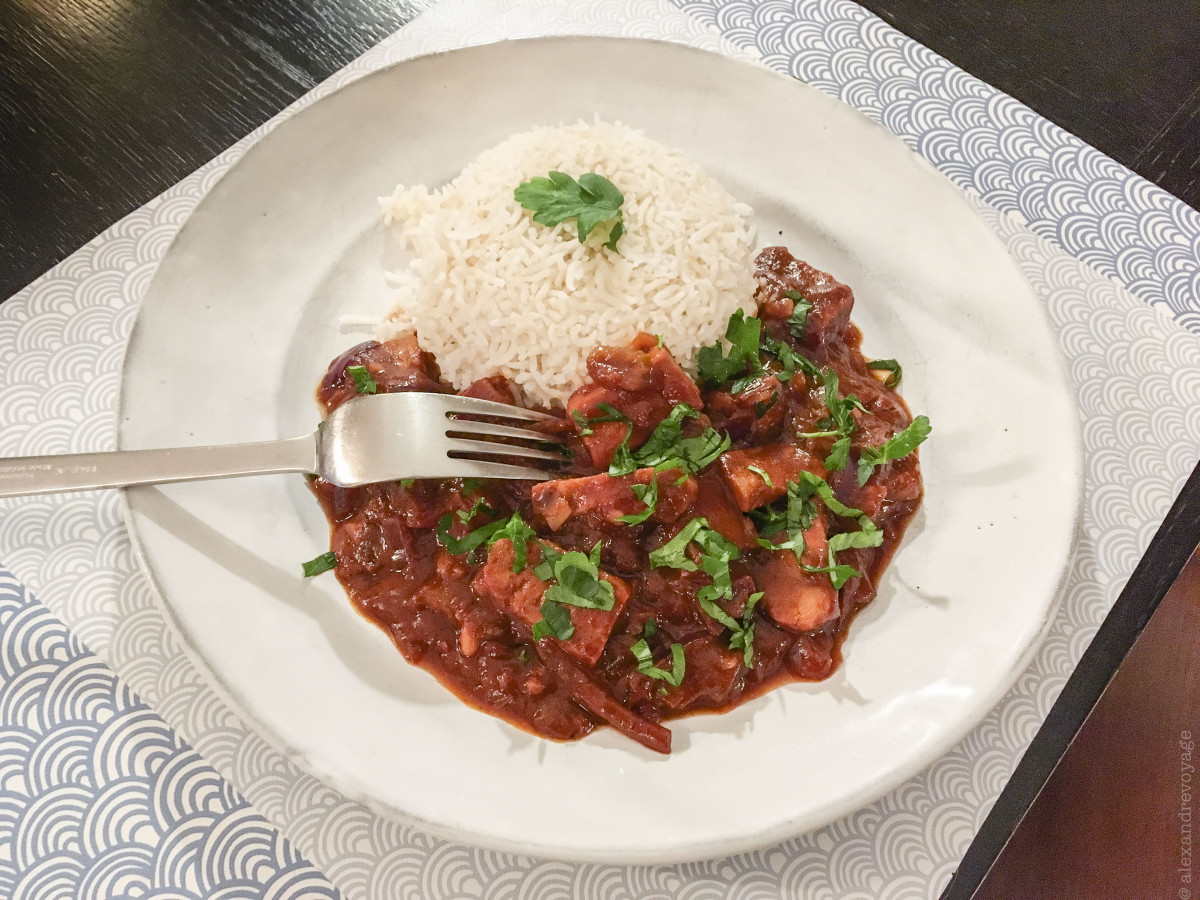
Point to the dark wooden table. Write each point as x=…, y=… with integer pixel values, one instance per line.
x=104, y=105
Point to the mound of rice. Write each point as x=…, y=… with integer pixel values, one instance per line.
x=489, y=291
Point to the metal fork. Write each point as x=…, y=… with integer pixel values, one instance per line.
x=379, y=437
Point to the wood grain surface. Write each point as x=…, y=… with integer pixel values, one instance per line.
x=105, y=104
x=1120, y=817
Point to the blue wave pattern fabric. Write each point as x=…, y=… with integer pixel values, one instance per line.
x=100, y=800
x=984, y=141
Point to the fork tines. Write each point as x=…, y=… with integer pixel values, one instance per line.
x=473, y=433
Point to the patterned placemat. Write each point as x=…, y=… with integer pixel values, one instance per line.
x=1116, y=261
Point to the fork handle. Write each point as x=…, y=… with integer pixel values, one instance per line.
x=24, y=475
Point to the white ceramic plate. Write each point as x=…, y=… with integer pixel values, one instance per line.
x=242, y=319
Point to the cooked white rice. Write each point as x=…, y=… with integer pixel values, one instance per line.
x=489, y=291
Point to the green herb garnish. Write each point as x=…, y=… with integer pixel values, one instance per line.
x=480, y=505
x=716, y=366
x=762, y=473
x=761, y=406
x=516, y=530
x=577, y=583
x=665, y=437
x=667, y=448
x=840, y=420
x=798, y=517
x=319, y=564
x=716, y=552
x=648, y=494
x=593, y=202
x=585, y=427
x=798, y=320
x=513, y=528
x=671, y=554
x=645, y=660
x=896, y=447
x=895, y=373
x=789, y=360
x=743, y=638
x=468, y=544
x=363, y=382
x=609, y=413
x=555, y=622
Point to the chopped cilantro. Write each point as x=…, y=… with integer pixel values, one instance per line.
x=545, y=569
x=715, y=366
x=743, y=639
x=868, y=537
x=480, y=505
x=895, y=373
x=671, y=554
x=666, y=448
x=363, y=382
x=798, y=517
x=513, y=528
x=645, y=660
x=839, y=454
x=838, y=575
x=665, y=436
x=841, y=420
x=585, y=427
x=761, y=406
x=696, y=453
x=869, y=534
x=555, y=622
x=798, y=320
x=319, y=564
x=469, y=544
x=819, y=486
x=609, y=413
x=648, y=494
x=761, y=473
x=577, y=582
x=716, y=552
x=896, y=447
x=789, y=359
x=516, y=530
x=744, y=383
x=623, y=461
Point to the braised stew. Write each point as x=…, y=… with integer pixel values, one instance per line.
x=713, y=539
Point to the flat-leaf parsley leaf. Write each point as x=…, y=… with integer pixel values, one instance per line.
x=645, y=660
x=593, y=202
x=715, y=365
x=322, y=563
x=896, y=447
x=363, y=382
